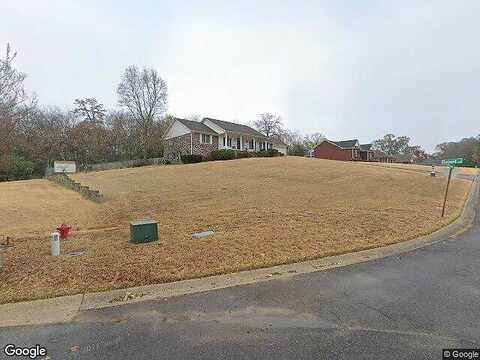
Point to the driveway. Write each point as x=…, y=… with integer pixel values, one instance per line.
x=409, y=306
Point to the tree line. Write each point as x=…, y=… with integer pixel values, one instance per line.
x=32, y=137
x=466, y=148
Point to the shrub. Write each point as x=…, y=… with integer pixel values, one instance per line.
x=139, y=163
x=268, y=153
x=190, y=159
x=243, y=154
x=273, y=153
x=222, y=154
x=17, y=168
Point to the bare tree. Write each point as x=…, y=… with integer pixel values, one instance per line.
x=12, y=92
x=123, y=141
x=312, y=140
x=45, y=135
x=89, y=142
x=269, y=124
x=13, y=106
x=144, y=94
x=89, y=109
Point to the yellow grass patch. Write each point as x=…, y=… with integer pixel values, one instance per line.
x=263, y=211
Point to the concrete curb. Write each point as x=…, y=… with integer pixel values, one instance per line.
x=64, y=309
x=46, y=311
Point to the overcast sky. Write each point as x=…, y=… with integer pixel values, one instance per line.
x=349, y=69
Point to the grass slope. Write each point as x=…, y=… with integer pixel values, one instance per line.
x=263, y=211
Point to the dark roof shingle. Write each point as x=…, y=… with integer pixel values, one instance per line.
x=196, y=126
x=366, y=147
x=237, y=128
x=346, y=144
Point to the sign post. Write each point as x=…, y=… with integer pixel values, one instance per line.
x=451, y=164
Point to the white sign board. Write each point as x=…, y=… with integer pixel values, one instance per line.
x=64, y=167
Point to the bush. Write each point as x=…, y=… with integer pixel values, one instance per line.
x=223, y=154
x=191, y=159
x=139, y=163
x=272, y=153
x=16, y=168
x=243, y=154
x=268, y=153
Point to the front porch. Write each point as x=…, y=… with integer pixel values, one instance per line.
x=243, y=142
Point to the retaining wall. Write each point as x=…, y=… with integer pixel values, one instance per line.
x=65, y=180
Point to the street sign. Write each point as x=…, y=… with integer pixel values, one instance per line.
x=452, y=162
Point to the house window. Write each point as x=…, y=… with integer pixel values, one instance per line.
x=224, y=141
x=205, y=139
x=229, y=142
x=238, y=143
x=250, y=143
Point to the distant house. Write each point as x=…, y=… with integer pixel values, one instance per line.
x=192, y=137
x=346, y=150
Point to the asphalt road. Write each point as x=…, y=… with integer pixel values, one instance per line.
x=401, y=307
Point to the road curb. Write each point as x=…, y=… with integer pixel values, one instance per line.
x=64, y=309
x=38, y=312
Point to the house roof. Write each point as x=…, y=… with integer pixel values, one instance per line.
x=196, y=126
x=237, y=128
x=366, y=147
x=345, y=144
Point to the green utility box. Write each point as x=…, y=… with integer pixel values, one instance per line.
x=143, y=231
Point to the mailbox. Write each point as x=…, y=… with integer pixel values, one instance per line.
x=143, y=231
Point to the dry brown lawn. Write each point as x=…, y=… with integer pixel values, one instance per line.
x=263, y=211
x=426, y=168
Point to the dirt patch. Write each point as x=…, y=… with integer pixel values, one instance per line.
x=264, y=212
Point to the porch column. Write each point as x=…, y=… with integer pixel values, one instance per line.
x=226, y=140
x=241, y=142
x=254, y=145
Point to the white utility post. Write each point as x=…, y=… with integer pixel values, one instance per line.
x=55, y=244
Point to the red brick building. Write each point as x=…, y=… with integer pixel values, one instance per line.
x=348, y=150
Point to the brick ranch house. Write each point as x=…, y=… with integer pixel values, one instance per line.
x=347, y=150
x=201, y=138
